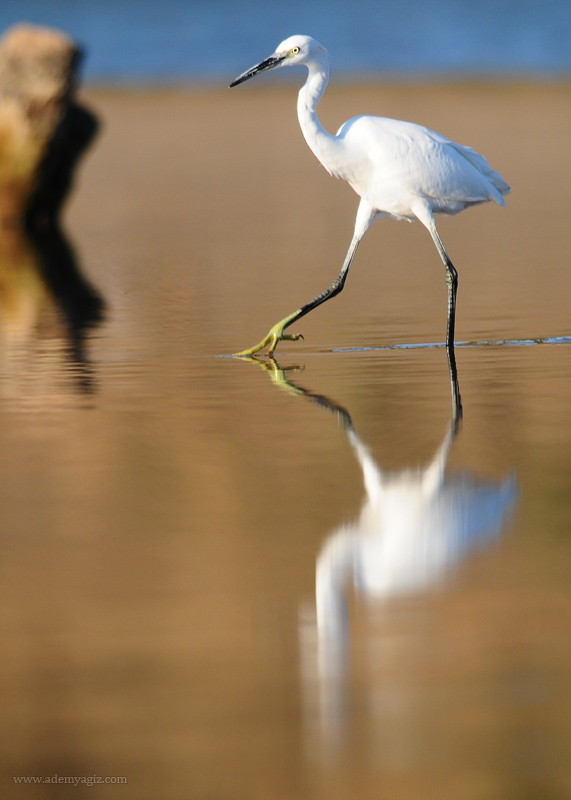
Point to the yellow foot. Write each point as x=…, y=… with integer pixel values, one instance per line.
x=275, y=335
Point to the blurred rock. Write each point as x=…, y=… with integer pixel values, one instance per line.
x=43, y=130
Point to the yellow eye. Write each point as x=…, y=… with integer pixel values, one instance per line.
x=294, y=51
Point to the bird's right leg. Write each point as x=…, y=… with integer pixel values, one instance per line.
x=452, y=282
x=425, y=215
x=365, y=216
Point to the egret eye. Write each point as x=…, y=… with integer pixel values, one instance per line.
x=294, y=51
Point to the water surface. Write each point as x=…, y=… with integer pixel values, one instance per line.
x=224, y=579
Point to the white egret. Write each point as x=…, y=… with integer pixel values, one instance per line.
x=399, y=169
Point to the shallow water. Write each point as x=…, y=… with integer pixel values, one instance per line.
x=224, y=579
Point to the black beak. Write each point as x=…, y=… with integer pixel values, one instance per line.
x=267, y=63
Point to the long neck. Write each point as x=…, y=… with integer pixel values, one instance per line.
x=322, y=143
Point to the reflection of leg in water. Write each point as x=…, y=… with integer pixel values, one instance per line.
x=279, y=378
x=454, y=387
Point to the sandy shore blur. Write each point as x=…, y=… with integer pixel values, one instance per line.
x=223, y=182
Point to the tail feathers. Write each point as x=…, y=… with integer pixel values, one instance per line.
x=497, y=187
x=500, y=184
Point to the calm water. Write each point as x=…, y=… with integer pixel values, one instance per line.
x=213, y=40
x=224, y=579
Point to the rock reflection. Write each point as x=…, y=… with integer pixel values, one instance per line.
x=45, y=132
x=415, y=525
x=46, y=309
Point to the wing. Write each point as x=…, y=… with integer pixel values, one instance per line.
x=422, y=162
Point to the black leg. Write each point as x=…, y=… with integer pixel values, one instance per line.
x=276, y=333
x=365, y=216
x=452, y=281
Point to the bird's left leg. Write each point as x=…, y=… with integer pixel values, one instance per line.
x=365, y=216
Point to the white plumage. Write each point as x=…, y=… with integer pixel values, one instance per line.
x=411, y=163
x=398, y=169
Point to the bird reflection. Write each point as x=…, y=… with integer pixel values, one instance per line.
x=414, y=527
x=39, y=275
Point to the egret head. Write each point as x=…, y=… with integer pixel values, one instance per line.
x=295, y=50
